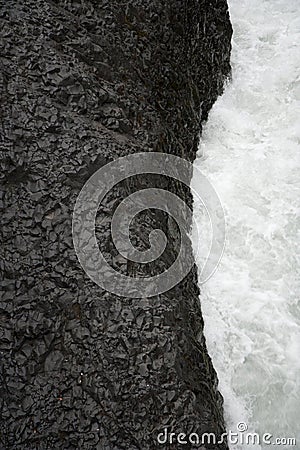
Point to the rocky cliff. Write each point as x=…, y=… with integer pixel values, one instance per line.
x=83, y=83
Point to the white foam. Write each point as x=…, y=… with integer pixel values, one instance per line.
x=250, y=153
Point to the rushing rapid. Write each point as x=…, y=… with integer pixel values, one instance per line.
x=250, y=153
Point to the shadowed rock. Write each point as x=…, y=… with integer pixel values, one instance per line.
x=84, y=82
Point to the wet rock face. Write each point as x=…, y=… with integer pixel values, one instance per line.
x=83, y=83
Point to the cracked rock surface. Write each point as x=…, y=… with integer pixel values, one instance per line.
x=83, y=83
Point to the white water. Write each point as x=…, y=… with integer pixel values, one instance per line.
x=250, y=152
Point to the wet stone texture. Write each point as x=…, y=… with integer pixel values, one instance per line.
x=82, y=83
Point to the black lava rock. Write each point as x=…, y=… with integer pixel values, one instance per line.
x=83, y=83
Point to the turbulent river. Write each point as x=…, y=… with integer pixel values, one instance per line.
x=250, y=153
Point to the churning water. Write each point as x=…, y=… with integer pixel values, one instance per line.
x=249, y=151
